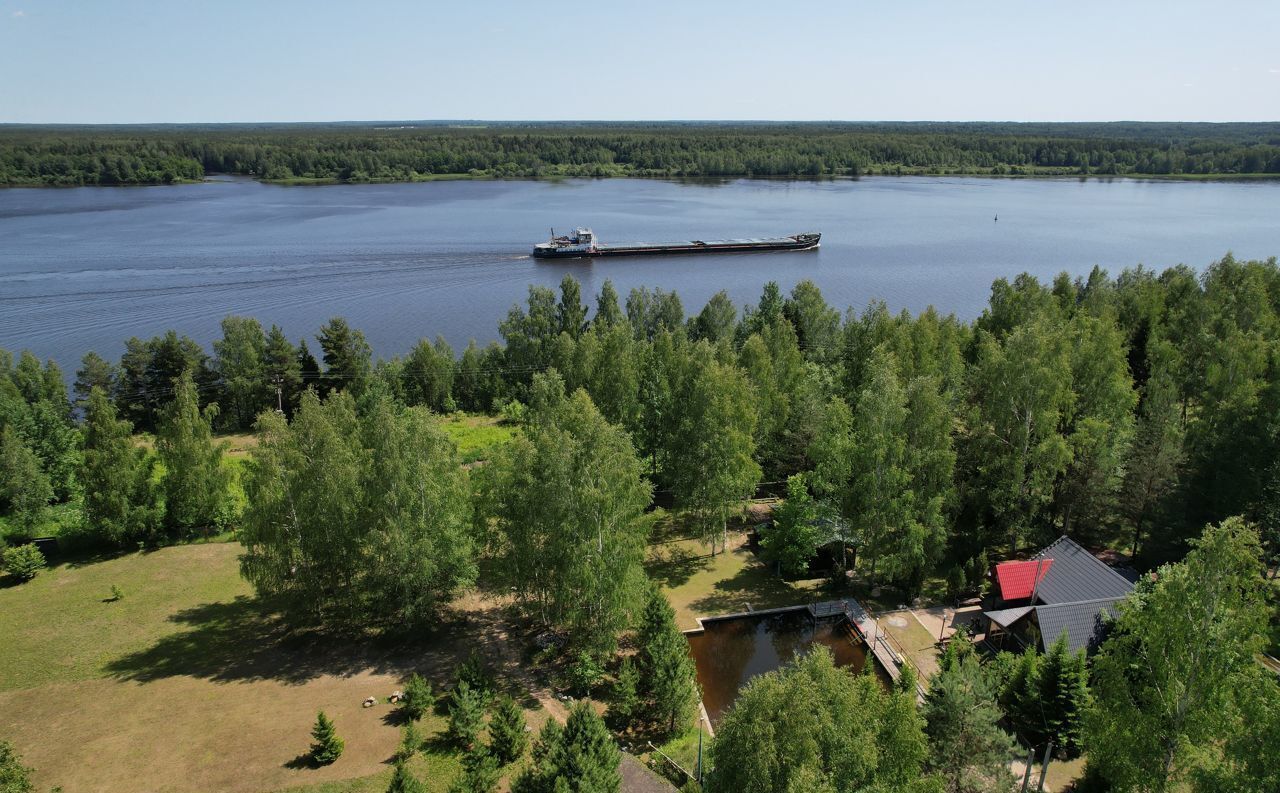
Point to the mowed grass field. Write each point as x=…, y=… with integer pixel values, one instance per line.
x=188, y=683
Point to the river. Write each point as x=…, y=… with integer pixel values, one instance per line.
x=86, y=268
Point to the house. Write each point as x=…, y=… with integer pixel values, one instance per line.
x=1064, y=589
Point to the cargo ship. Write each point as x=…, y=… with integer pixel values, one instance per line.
x=583, y=243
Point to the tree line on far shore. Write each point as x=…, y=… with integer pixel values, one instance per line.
x=360, y=153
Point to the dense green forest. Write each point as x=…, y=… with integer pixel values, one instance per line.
x=1126, y=411
x=1139, y=413
x=405, y=151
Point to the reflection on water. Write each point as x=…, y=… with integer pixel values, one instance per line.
x=731, y=652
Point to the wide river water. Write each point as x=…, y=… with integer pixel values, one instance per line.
x=86, y=268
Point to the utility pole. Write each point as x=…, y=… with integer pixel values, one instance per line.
x=1044, y=767
x=1026, y=775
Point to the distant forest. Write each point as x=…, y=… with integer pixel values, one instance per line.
x=410, y=151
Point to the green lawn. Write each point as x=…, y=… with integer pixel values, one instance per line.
x=59, y=627
x=477, y=436
x=701, y=585
x=910, y=638
x=189, y=683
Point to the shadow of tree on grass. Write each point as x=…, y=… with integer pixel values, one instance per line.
x=246, y=639
x=671, y=566
x=752, y=585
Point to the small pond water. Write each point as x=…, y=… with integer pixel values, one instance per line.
x=732, y=651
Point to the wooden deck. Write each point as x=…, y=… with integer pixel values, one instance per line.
x=869, y=632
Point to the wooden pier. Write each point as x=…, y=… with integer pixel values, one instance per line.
x=869, y=632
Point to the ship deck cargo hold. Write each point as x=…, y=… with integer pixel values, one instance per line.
x=582, y=243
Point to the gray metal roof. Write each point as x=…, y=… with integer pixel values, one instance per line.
x=1082, y=622
x=1077, y=575
x=1006, y=617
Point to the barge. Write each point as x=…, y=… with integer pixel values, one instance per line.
x=583, y=243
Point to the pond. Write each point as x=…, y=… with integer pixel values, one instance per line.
x=731, y=651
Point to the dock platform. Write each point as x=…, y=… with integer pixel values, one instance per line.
x=866, y=628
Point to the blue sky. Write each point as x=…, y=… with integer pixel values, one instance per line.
x=113, y=61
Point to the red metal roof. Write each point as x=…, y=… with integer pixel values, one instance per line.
x=1017, y=579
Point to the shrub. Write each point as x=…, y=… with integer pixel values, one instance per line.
x=24, y=561
x=585, y=672
x=14, y=776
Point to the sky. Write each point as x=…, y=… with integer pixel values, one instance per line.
x=147, y=61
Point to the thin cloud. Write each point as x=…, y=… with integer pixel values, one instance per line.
x=19, y=14
x=1273, y=71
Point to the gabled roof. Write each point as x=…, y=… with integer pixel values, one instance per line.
x=1077, y=575
x=1082, y=622
x=1017, y=580
x=1006, y=617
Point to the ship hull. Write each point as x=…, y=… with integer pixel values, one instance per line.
x=801, y=242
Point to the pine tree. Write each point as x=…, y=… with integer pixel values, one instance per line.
x=668, y=673
x=347, y=357
x=326, y=745
x=480, y=773
x=588, y=758
x=23, y=562
x=1020, y=697
x=282, y=368
x=507, y=738
x=403, y=780
x=968, y=750
x=94, y=372
x=410, y=741
x=466, y=714
x=624, y=699
x=309, y=369
x=1064, y=694
x=418, y=697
